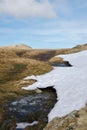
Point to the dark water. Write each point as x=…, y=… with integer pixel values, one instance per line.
x=61, y=64
x=34, y=107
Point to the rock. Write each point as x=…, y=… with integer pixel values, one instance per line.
x=38, y=91
x=76, y=120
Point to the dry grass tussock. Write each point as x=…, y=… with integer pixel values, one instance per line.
x=56, y=59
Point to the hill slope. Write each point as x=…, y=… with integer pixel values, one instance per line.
x=17, y=46
x=17, y=62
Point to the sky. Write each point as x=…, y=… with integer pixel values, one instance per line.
x=43, y=23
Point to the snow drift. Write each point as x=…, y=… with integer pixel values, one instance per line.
x=70, y=84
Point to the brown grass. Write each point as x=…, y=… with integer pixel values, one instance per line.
x=15, y=64
x=75, y=49
x=56, y=59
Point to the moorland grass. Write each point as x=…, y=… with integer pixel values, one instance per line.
x=16, y=64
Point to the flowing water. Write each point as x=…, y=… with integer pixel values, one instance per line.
x=31, y=112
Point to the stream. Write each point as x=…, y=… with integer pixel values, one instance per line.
x=30, y=112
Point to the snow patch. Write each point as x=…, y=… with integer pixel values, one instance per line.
x=24, y=125
x=70, y=84
x=30, y=77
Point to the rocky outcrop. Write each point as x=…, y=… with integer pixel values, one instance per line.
x=76, y=120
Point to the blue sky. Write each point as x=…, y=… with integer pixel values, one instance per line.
x=43, y=23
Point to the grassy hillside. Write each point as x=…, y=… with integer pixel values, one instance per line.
x=14, y=67
x=17, y=63
x=67, y=51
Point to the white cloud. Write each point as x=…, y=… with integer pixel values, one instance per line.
x=27, y=8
